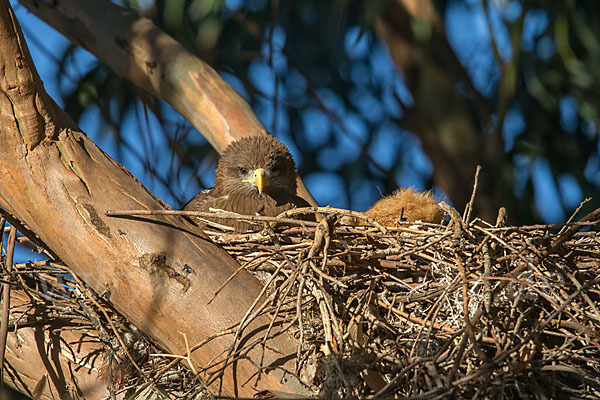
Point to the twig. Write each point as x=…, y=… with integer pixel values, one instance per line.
x=568, y=234
x=572, y=217
x=469, y=208
x=109, y=320
x=187, y=357
x=414, y=319
x=217, y=215
x=10, y=250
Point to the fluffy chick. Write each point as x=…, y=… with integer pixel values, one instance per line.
x=407, y=205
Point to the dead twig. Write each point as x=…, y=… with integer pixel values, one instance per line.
x=8, y=264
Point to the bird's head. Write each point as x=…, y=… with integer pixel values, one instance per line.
x=256, y=165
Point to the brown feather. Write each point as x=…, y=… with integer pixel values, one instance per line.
x=408, y=205
x=231, y=193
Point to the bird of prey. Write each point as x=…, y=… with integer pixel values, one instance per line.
x=255, y=176
x=407, y=205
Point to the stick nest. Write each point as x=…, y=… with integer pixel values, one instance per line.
x=423, y=310
x=467, y=308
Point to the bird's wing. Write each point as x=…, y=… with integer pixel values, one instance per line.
x=247, y=205
x=204, y=201
x=286, y=202
x=299, y=202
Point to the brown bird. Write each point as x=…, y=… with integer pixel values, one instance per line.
x=407, y=205
x=255, y=176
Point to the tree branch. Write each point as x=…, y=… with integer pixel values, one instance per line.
x=137, y=50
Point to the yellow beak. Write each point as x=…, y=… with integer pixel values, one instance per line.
x=259, y=179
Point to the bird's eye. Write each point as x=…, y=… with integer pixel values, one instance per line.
x=243, y=171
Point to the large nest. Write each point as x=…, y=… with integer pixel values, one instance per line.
x=473, y=310
x=467, y=308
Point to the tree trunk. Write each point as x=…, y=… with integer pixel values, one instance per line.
x=55, y=180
